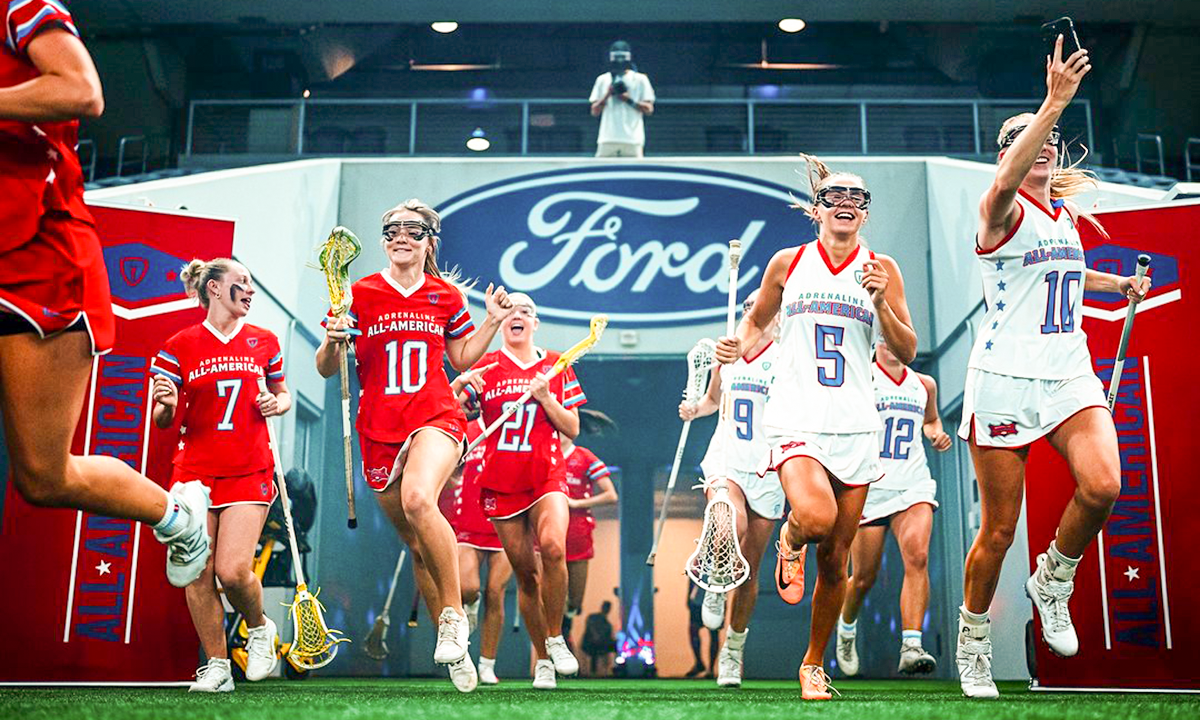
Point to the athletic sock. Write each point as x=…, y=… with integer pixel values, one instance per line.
x=735, y=640
x=173, y=520
x=910, y=637
x=485, y=662
x=975, y=620
x=846, y=628
x=1059, y=566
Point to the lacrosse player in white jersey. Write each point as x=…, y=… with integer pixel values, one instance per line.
x=1030, y=373
x=902, y=501
x=737, y=446
x=836, y=296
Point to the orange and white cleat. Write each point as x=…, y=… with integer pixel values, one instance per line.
x=814, y=683
x=789, y=569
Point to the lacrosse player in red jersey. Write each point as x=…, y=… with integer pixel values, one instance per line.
x=215, y=367
x=589, y=485
x=55, y=308
x=738, y=445
x=404, y=320
x=523, y=484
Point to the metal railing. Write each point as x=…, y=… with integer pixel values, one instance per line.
x=1189, y=163
x=138, y=141
x=86, y=149
x=1156, y=140
x=565, y=127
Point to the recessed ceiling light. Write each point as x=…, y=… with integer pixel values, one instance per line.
x=444, y=26
x=478, y=141
x=792, y=25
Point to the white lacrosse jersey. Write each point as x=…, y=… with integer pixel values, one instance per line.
x=827, y=328
x=901, y=404
x=1033, y=286
x=739, y=443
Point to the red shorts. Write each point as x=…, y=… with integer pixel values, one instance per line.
x=480, y=541
x=503, y=506
x=256, y=488
x=579, y=545
x=57, y=278
x=382, y=462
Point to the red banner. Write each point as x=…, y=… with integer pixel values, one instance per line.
x=89, y=601
x=1135, y=589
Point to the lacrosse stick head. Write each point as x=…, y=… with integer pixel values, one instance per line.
x=717, y=563
x=701, y=359
x=581, y=348
x=375, y=645
x=735, y=253
x=314, y=645
x=335, y=256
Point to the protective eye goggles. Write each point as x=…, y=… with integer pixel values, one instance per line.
x=835, y=195
x=1011, y=136
x=747, y=306
x=410, y=229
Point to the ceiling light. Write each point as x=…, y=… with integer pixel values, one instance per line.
x=446, y=26
x=792, y=25
x=478, y=141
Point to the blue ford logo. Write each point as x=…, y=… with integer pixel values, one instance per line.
x=648, y=245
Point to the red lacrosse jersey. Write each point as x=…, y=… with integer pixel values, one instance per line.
x=524, y=451
x=39, y=168
x=469, y=519
x=399, y=354
x=584, y=470
x=224, y=433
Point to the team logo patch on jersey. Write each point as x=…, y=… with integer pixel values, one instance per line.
x=262, y=488
x=858, y=276
x=1002, y=429
x=378, y=475
x=489, y=504
x=252, y=342
x=433, y=298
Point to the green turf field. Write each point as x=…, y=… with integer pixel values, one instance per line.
x=581, y=700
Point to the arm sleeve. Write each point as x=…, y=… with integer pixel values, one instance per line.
x=24, y=19
x=572, y=394
x=459, y=324
x=166, y=363
x=275, y=364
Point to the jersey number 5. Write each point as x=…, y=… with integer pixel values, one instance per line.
x=829, y=338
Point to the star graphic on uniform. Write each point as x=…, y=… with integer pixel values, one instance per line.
x=1131, y=573
x=995, y=324
x=104, y=568
x=1000, y=305
x=1001, y=285
x=988, y=345
x=181, y=445
x=999, y=264
x=52, y=154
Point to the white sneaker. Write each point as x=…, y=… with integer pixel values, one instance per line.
x=214, y=677
x=1051, y=597
x=729, y=667
x=914, y=660
x=543, y=676
x=712, y=612
x=564, y=662
x=472, y=611
x=188, y=549
x=847, y=653
x=453, y=631
x=463, y=675
x=261, y=658
x=974, y=657
x=487, y=673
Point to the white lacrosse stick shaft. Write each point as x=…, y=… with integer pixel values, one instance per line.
x=662, y=515
x=283, y=493
x=387, y=604
x=1114, y=384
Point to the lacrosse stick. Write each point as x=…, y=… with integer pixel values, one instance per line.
x=578, y=350
x=700, y=359
x=415, y=613
x=337, y=252
x=1119, y=364
x=313, y=644
x=717, y=563
x=376, y=643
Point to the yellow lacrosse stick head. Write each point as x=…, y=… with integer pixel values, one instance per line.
x=579, y=349
x=336, y=253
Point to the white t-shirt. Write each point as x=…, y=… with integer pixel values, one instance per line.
x=621, y=122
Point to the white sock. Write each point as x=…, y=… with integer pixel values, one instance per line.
x=1060, y=567
x=975, y=620
x=173, y=520
x=559, y=638
x=910, y=637
x=485, y=662
x=846, y=628
x=735, y=640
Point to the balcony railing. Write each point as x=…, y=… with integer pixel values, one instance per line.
x=565, y=127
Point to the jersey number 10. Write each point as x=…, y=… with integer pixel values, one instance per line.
x=406, y=366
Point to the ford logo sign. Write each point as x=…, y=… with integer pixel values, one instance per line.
x=648, y=245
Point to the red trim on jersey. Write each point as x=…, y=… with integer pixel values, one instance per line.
x=845, y=264
x=759, y=354
x=889, y=375
x=1009, y=236
x=794, y=261
x=1052, y=215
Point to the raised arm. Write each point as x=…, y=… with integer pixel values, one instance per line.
x=770, y=296
x=883, y=280
x=465, y=351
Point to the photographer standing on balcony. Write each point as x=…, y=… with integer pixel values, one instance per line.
x=621, y=97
